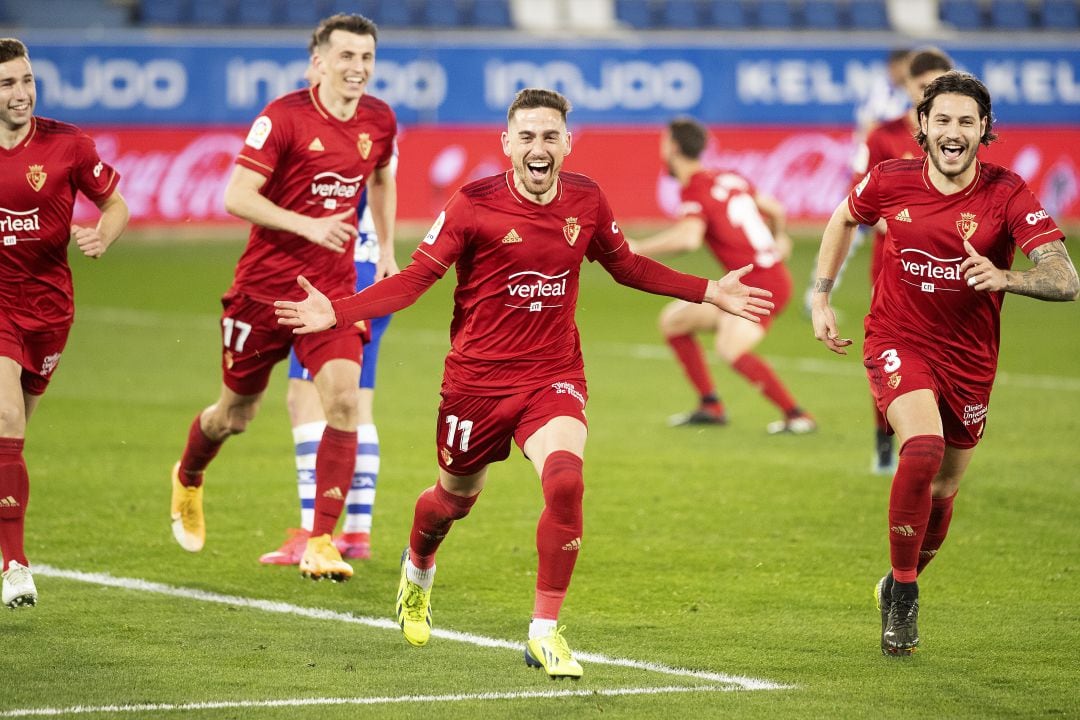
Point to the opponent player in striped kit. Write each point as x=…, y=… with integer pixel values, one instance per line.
x=932, y=334
x=514, y=372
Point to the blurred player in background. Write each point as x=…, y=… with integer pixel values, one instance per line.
x=932, y=333
x=893, y=140
x=374, y=259
x=298, y=177
x=514, y=372
x=740, y=226
x=43, y=164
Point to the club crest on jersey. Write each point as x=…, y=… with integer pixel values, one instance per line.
x=36, y=176
x=966, y=225
x=894, y=381
x=570, y=230
x=363, y=144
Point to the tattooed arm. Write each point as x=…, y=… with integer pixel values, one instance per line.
x=835, y=242
x=1053, y=276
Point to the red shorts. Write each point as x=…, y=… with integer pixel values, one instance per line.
x=776, y=280
x=253, y=342
x=894, y=370
x=473, y=431
x=37, y=352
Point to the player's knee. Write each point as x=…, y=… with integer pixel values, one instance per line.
x=340, y=408
x=564, y=485
x=12, y=419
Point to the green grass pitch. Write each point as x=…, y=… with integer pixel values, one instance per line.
x=722, y=550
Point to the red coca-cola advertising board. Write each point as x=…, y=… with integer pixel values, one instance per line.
x=178, y=175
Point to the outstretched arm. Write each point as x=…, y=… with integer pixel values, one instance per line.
x=684, y=236
x=316, y=312
x=835, y=242
x=1053, y=276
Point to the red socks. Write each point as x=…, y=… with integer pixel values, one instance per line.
x=334, y=464
x=909, y=503
x=198, y=453
x=692, y=358
x=937, y=527
x=761, y=376
x=436, y=510
x=558, y=534
x=14, y=495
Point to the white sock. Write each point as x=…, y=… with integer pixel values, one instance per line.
x=361, y=498
x=423, y=578
x=541, y=627
x=306, y=438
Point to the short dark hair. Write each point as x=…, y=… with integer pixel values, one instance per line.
x=530, y=98
x=689, y=136
x=12, y=48
x=357, y=24
x=926, y=59
x=898, y=54
x=957, y=83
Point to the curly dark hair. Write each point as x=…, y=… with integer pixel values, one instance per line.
x=957, y=83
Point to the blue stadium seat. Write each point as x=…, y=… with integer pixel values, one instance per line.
x=869, y=15
x=727, y=14
x=367, y=8
x=1060, y=15
x=258, y=13
x=775, y=15
x=436, y=14
x=635, y=13
x=491, y=14
x=164, y=12
x=303, y=14
x=823, y=15
x=962, y=14
x=1010, y=15
x=682, y=14
x=393, y=13
x=212, y=12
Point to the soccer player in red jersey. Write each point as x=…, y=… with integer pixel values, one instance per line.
x=932, y=333
x=514, y=372
x=297, y=179
x=895, y=140
x=43, y=163
x=739, y=225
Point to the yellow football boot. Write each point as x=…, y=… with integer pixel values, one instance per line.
x=188, y=523
x=322, y=560
x=413, y=608
x=553, y=654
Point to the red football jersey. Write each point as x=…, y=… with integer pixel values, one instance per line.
x=893, y=140
x=517, y=268
x=921, y=296
x=316, y=165
x=38, y=181
x=734, y=229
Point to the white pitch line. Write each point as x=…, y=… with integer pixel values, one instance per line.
x=308, y=702
x=745, y=683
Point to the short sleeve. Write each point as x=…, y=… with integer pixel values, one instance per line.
x=448, y=236
x=1029, y=224
x=266, y=142
x=864, y=201
x=607, y=237
x=95, y=179
x=390, y=152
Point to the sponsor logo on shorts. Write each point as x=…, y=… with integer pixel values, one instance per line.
x=974, y=415
x=447, y=457
x=567, y=388
x=894, y=381
x=49, y=363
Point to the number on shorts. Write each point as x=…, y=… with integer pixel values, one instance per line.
x=466, y=430
x=892, y=360
x=242, y=330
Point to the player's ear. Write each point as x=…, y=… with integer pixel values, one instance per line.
x=567, y=142
x=505, y=138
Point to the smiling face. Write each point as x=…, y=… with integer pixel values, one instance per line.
x=953, y=129
x=345, y=64
x=18, y=94
x=536, y=141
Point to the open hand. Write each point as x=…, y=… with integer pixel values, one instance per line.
x=730, y=295
x=312, y=314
